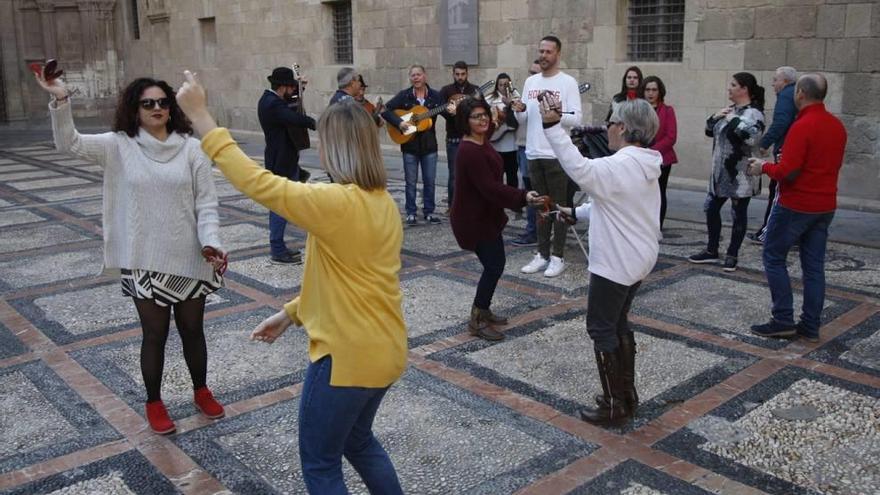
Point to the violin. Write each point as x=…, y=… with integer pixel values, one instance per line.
x=373, y=109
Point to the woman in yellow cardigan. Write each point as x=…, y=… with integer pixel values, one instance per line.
x=349, y=303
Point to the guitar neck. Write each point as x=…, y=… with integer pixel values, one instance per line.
x=429, y=114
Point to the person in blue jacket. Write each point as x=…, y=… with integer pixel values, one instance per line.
x=784, y=113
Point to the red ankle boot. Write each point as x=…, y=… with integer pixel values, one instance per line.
x=158, y=418
x=206, y=403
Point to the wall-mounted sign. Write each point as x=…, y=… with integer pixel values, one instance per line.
x=459, y=30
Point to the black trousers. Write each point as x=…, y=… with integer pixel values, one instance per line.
x=608, y=305
x=492, y=257
x=664, y=179
x=739, y=211
x=771, y=198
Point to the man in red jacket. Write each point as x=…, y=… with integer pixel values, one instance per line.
x=807, y=174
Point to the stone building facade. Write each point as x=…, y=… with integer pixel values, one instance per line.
x=233, y=45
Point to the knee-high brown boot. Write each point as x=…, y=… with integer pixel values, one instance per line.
x=612, y=411
x=626, y=352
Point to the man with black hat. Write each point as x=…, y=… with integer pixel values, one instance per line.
x=281, y=155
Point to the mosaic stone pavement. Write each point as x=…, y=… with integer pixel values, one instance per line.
x=722, y=411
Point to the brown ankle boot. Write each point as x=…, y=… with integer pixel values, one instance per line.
x=492, y=318
x=479, y=326
x=612, y=411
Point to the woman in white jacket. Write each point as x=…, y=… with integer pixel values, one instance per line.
x=159, y=216
x=624, y=241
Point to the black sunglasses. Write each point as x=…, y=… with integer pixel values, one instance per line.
x=150, y=103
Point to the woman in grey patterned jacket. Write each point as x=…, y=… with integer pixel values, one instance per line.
x=736, y=131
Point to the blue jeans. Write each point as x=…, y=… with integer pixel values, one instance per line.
x=277, y=225
x=810, y=230
x=531, y=215
x=451, y=151
x=336, y=422
x=411, y=176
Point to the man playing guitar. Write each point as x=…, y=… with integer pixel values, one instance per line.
x=455, y=92
x=421, y=149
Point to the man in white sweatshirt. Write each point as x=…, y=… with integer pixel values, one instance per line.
x=544, y=171
x=624, y=241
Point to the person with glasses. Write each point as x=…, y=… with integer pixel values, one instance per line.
x=477, y=216
x=159, y=214
x=624, y=241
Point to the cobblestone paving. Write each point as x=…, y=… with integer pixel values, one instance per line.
x=722, y=411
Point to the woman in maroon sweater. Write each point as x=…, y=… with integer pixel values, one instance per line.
x=477, y=217
x=655, y=92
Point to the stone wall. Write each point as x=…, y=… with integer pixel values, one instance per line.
x=234, y=45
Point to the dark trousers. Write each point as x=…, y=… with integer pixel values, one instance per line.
x=511, y=166
x=739, y=211
x=771, y=198
x=608, y=305
x=548, y=178
x=451, y=151
x=531, y=216
x=492, y=257
x=786, y=228
x=664, y=179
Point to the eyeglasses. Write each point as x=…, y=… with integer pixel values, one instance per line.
x=150, y=103
x=612, y=123
x=479, y=116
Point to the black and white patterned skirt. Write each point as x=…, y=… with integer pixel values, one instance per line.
x=166, y=289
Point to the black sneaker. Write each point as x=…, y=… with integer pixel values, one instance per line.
x=432, y=219
x=704, y=257
x=411, y=220
x=286, y=259
x=524, y=240
x=803, y=333
x=773, y=329
x=729, y=263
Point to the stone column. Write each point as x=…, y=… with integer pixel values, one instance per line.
x=47, y=21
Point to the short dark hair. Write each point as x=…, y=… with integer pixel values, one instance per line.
x=461, y=64
x=553, y=39
x=813, y=86
x=463, y=113
x=660, y=86
x=126, y=118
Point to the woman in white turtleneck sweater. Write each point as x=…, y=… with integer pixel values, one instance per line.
x=159, y=213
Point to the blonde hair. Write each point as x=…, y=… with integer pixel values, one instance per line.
x=350, y=146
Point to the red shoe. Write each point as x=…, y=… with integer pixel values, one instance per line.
x=158, y=418
x=206, y=403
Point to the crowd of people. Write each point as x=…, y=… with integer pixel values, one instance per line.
x=506, y=150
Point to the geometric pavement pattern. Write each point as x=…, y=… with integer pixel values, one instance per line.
x=722, y=411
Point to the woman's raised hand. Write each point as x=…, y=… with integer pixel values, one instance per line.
x=192, y=100
x=55, y=87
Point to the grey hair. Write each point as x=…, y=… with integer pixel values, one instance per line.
x=788, y=73
x=345, y=76
x=639, y=121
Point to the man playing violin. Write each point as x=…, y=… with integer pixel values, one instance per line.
x=421, y=150
x=370, y=107
x=454, y=92
x=349, y=85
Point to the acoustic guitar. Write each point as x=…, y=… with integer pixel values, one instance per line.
x=422, y=118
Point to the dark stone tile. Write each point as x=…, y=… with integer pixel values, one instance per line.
x=634, y=477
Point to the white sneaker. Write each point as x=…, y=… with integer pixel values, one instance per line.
x=556, y=266
x=537, y=264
